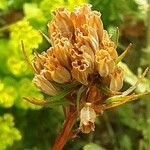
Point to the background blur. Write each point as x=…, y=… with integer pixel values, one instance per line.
x=24, y=126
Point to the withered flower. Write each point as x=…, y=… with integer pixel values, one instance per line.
x=105, y=64
x=87, y=118
x=80, y=67
x=116, y=81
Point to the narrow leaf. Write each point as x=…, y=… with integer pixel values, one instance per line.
x=60, y=95
x=45, y=103
x=119, y=59
x=27, y=58
x=45, y=36
x=136, y=84
x=119, y=100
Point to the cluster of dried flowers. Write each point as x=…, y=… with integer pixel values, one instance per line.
x=80, y=48
x=83, y=52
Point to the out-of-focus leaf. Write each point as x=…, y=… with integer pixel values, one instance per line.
x=125, y=143
x=92, y=146
x=131, y=78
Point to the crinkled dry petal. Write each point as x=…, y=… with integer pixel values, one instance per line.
x=81, y=70
x=108, y=44
x=62, y=52
x=104, y=62
x=39, y=61
x=80, y=15
x=86, y=52
x=63, y=23
x=61, y=75
x=56, y=72
x=116, y=81
x=87, y=119
x=97, y=24
x=45, y=86
x=113, y=53
x=88, y=36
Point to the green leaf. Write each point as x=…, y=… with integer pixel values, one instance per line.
x=119, y=59
x=46, y=103
x=60, y=95
x=121, y=99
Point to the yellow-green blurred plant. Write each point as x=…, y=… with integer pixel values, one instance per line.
x=8, y=133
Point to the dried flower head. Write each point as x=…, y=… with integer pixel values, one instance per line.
x=81, y=67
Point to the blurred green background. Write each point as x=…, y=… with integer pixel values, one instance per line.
x=24, y=126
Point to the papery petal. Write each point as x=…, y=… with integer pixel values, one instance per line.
x=39, y=61
x=81, y=70
x=62, y=52
x=45, y=86
x=108, y=44
x=104, y=62
x=116, y=82
x=96, y=23
x=56, y=72
x=80, y=15
x=63, y=23
x=61, y=75
x=87, y=119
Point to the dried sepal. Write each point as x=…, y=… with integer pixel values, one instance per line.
x=87, y=118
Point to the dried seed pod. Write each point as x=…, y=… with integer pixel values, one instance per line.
x=116, y=81
x=87, y=118
x=104, y=62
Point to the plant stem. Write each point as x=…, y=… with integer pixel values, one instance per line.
x=148, y=54
x=65, y=133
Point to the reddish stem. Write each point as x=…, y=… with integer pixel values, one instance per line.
x=65, y=133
